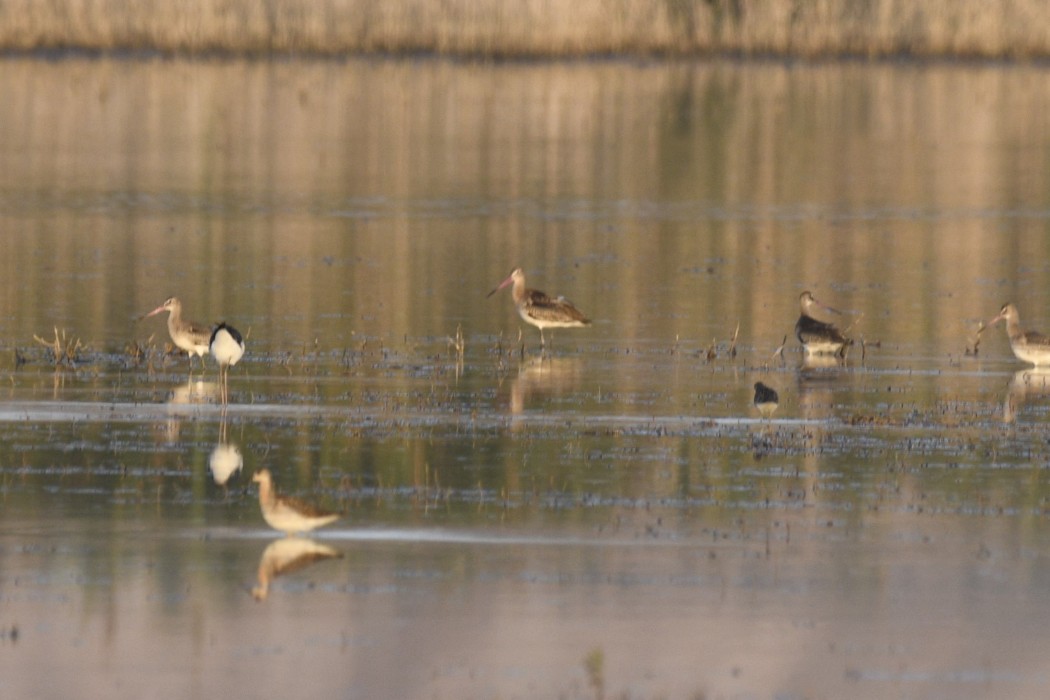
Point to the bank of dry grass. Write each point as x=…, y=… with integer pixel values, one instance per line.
x=522, y=28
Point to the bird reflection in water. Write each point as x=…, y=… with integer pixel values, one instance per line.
x=544, y=378
x=818, y=379
x=194, y=391
x=288, y=554
x=226, y=458
x=815, y=363
x=1026, y=386
x=181, y=401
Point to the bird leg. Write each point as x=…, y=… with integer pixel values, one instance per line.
x=224, y=377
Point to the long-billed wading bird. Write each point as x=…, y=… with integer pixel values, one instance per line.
x=766, y=399
x=540, y=310
x=227, y=347
x=192, y=337
x=818, y=337
x=288, y=515
x=1028, y=346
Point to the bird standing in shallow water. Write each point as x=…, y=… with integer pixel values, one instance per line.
x=766, y=399
x=540, y=310
x=1028, y=346
x=818, y=337
x=227, y=347
x=288, y=515
x=187, y=335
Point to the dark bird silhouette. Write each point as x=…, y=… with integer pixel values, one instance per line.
x=766, y=399
x=818, y=337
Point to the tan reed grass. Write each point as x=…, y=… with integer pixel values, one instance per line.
x=534, y=28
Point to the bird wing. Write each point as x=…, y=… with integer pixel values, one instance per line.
x=294, y=506
x=201, y=334
x=809, y=329
x=234, y=333
x=543, y=308
x=1036, y=338
x=765, y=394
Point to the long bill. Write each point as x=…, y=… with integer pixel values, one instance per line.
x=151, y=313
x=828, y=308
x=502, y=284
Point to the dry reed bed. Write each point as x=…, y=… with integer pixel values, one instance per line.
x=523, y=28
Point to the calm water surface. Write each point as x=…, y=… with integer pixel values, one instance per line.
x=611, y=519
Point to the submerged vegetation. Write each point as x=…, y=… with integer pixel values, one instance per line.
x=534, y=28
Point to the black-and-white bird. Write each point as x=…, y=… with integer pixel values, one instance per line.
x=227, y=347
x=766, y=399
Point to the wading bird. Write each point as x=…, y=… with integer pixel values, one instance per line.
x=187, y=335
x=288, y=515
x=1028, y=346
x=818, y=337
x=227, y=347
x=766, y=399
x=540, y=310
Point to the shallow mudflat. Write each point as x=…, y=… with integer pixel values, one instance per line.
x=516, y=528
x=612, y=518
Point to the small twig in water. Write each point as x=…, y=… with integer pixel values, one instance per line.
x=855, y=322
x=976, y=341
x=780, y=350
x=457, y=343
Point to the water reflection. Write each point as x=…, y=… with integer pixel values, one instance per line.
x=226, y=458
x=1026, y=386
x=817, y=378
x=288, y=554
x=803, y=211
x=192, y=392
x=817, y=366
x=543, y=378
x=668, y=200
